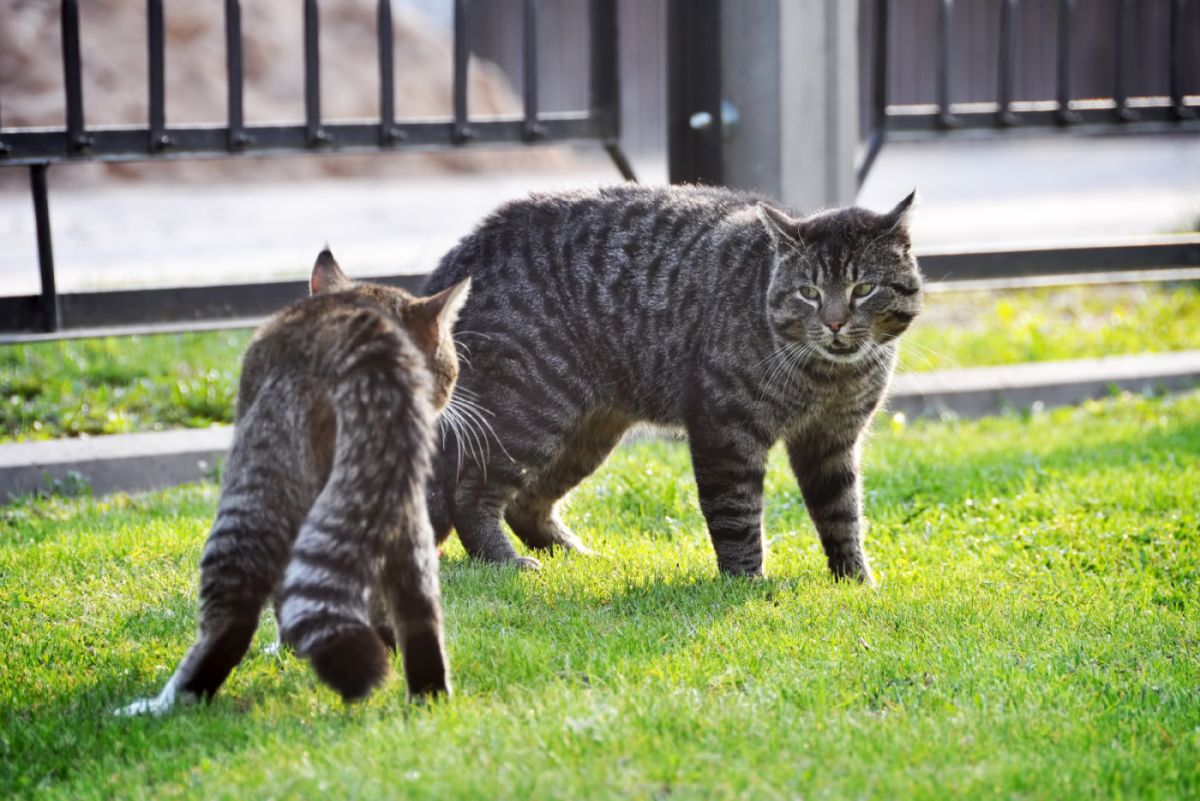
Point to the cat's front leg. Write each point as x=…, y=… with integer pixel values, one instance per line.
x=827, y=469
x=730, y=465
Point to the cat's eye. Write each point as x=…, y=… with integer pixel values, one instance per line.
x=809, y=292
x=862, y=290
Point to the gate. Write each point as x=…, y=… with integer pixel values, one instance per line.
x=1165, y=109
x=51, y=313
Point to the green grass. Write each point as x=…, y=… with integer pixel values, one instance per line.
x=109, y=386
x=986, y=328
x=1036, y=635
x=119, y=384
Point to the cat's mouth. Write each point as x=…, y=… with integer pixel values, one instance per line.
x=841, y=351
x=842, y=347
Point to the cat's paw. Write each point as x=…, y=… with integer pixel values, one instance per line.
x=277, y=649
x=160, y=704
x=853, y=570
x=527, y=563
x=579, y=548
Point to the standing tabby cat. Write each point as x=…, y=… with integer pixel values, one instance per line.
x=323, y=502
x=687, y=306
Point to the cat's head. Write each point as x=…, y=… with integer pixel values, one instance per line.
x=845, y=281
x=428, y=321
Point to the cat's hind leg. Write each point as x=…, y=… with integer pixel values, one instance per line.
x=409, y=585
x=243, y=560
x=533, y=514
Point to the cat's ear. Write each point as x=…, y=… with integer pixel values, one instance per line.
x=436, y=314
x=898, y=220
x=780, y=226
x=327, y=276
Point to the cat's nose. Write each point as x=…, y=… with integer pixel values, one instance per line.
x=835, y=327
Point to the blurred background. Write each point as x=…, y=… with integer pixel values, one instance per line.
x=779, y=96
x=168, y=170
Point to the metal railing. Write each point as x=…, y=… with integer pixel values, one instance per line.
x=1120, y=113
x=39, y=148
x=1005, y=115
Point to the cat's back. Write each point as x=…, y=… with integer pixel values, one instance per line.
x=299, y=350
x=574, y=230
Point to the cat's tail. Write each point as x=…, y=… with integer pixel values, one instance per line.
x=369, y=520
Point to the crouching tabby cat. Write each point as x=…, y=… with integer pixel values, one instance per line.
x=683, y=306
x=323, y=501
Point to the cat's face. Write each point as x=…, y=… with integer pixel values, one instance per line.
x=845, y=282
x=428, y=321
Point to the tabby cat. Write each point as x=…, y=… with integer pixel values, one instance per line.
x=682, y=306
x=323, y=501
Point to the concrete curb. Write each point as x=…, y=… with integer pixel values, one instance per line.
x=154, y=460
x=979, y=391
x=121, y=462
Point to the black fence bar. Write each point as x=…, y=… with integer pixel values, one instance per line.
x=129, y=144
x=48, y=319
x=5, y=149
x=1120, y=52
x=1007, y=68
x=604, y=91
x=236, y=137
x=694, y=148
x=529, y=59
x=312, y=75
x=158, y=138
x=1066, y=10
x=141, y=310
x=945, y=117
x=879, y=92
x=145, y=308
x=1033, y=118
x=462, y=59
x=1180, y=40
x=389, y=132
x=77, y=136
x=1149, y=253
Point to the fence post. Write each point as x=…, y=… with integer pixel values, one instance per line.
x=48, y=306
x=694, y=86
x=790, y=73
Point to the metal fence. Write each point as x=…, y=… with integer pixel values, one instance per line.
x=1001, y=112
x=38, y=149
x=1067, y=112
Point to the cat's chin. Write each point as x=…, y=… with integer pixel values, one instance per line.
x=843, y=355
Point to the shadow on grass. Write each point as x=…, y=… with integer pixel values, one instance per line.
x=73, y=737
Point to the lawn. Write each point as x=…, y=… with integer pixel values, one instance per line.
x=1036, y=634
x=108, y=386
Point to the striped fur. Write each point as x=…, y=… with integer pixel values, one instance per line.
x=683, y=306
x=323, y=502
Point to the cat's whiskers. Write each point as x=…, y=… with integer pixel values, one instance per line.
x=478, y=412
x=451, y=419
x=784, y=366
x=810, y=351
x=774, y=360
x=472, y=334
x=476, y=442
x=924, y=352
